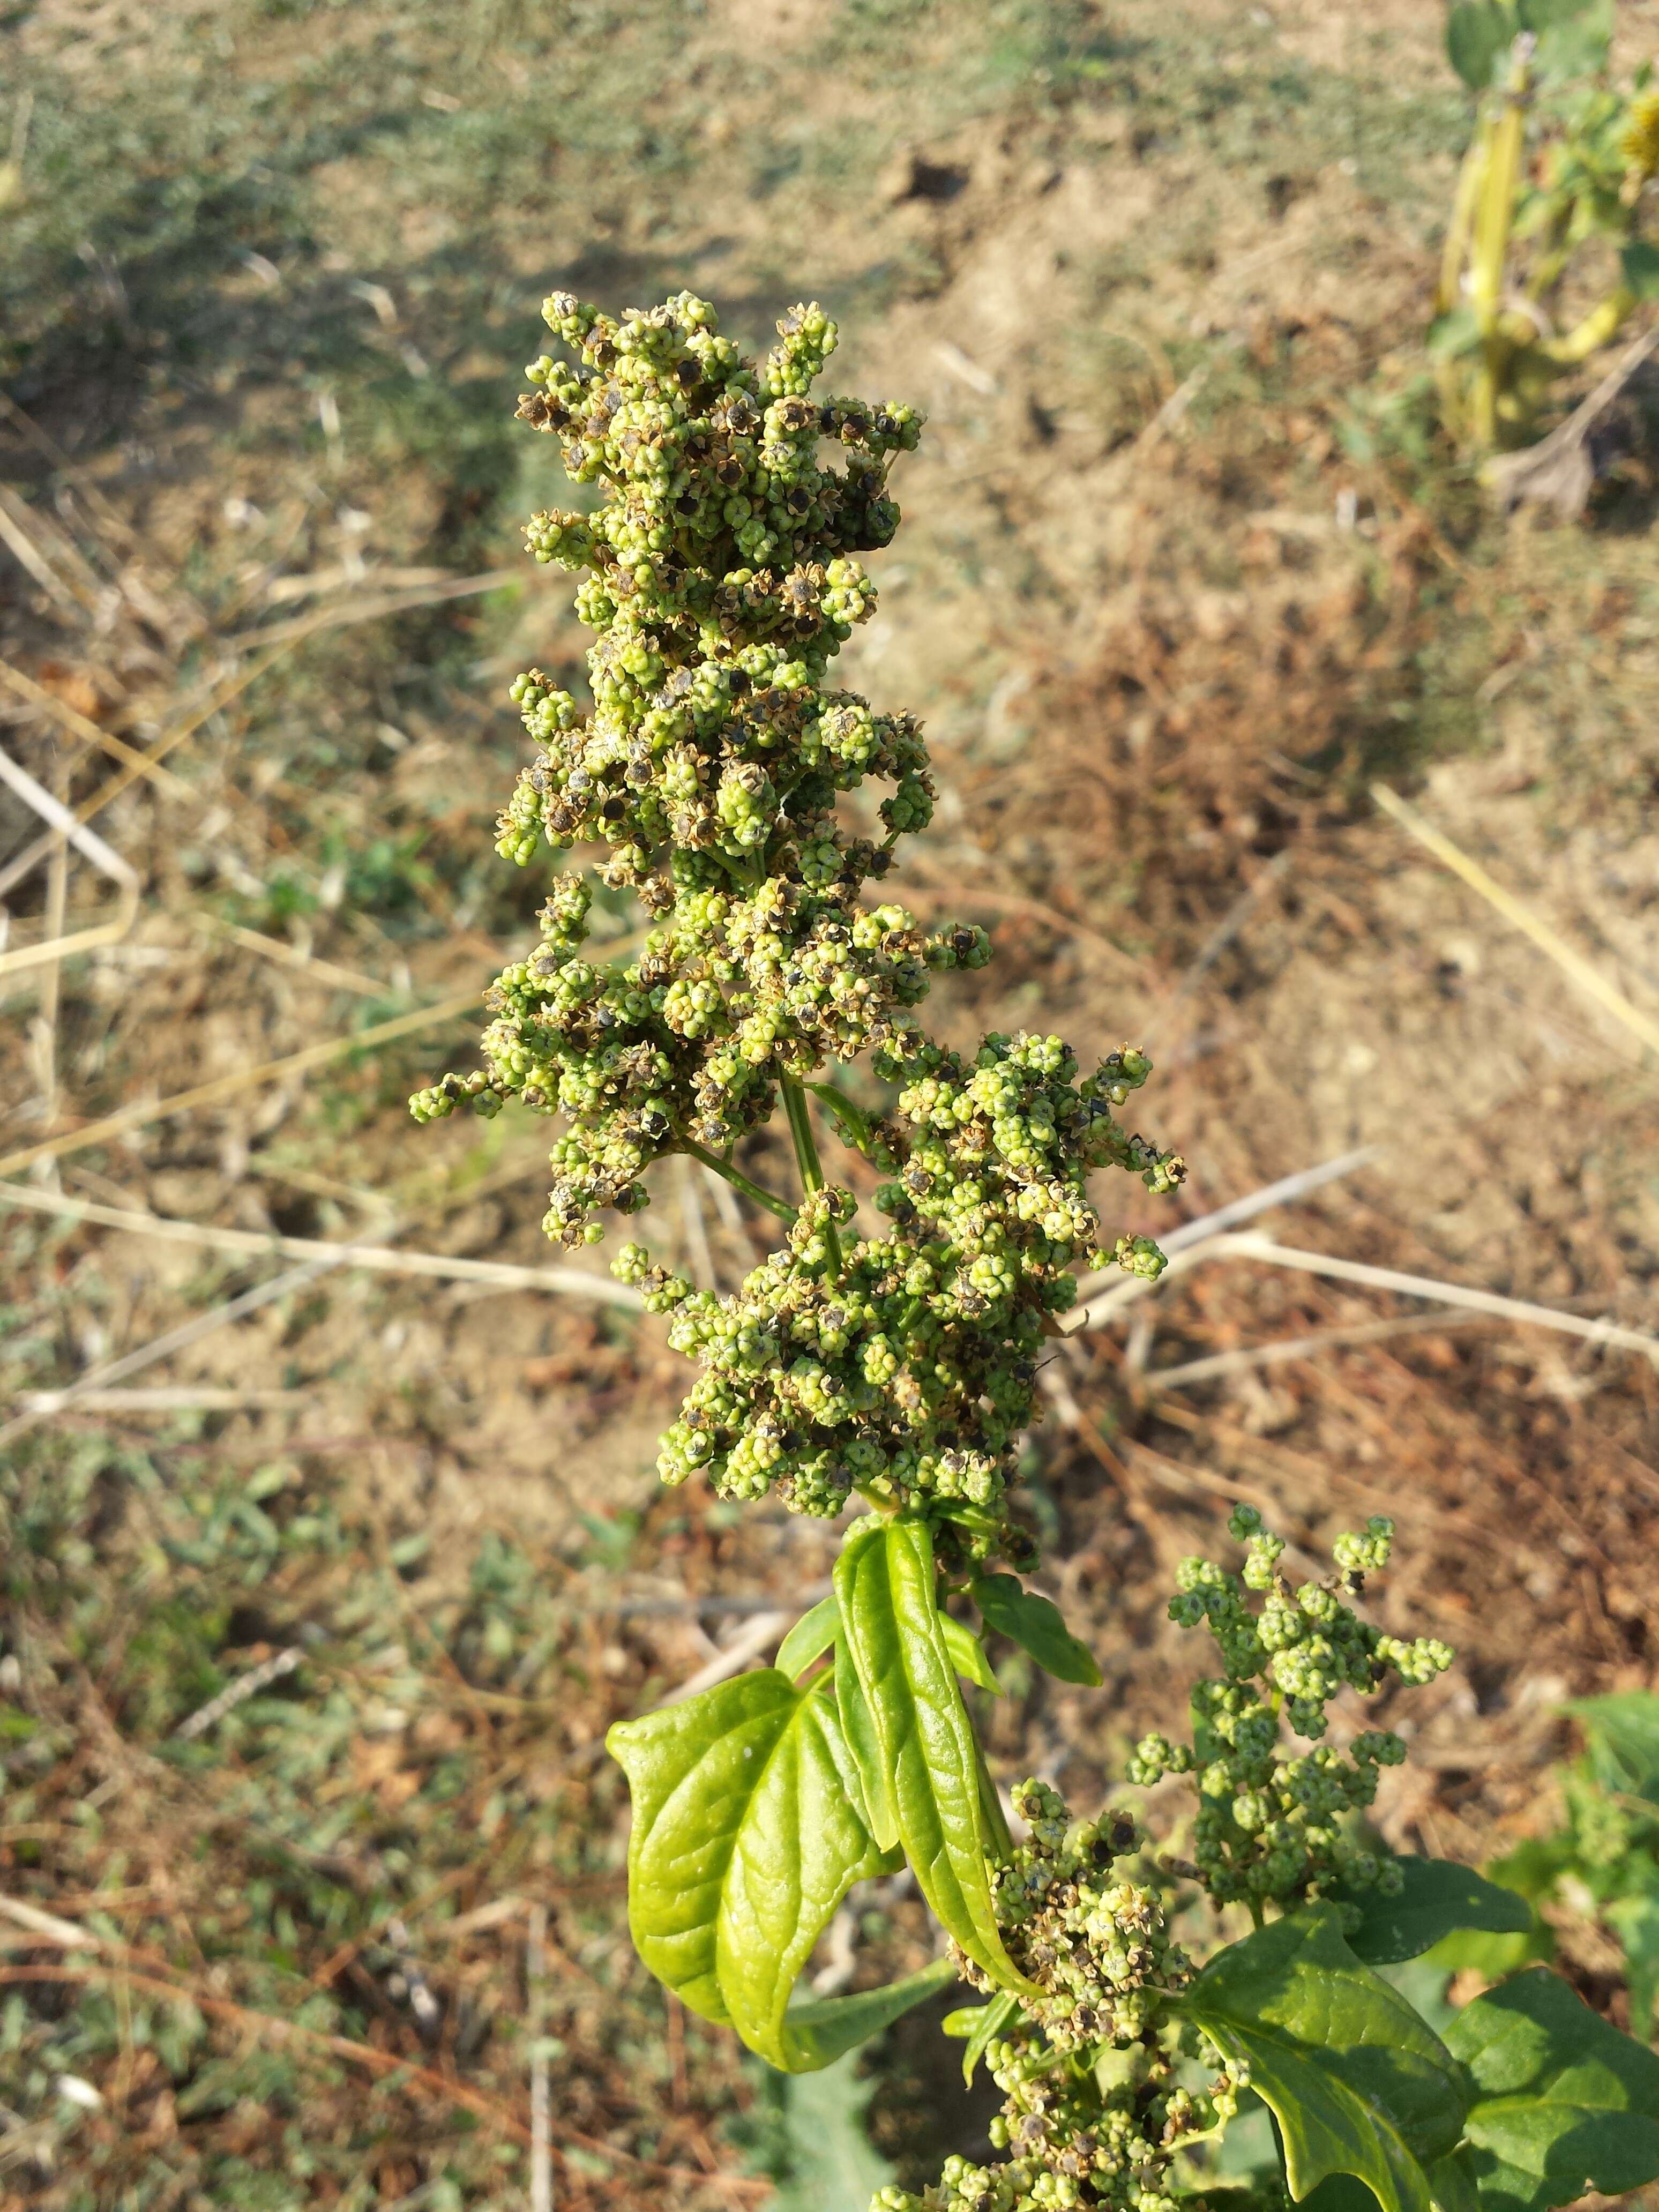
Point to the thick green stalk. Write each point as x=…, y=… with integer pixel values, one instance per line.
x=1457, y=234
x=806, y=1155
x=1494, y=217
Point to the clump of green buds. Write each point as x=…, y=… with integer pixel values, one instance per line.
x=1097, y=2073
x=1083, y=2134
x=706, y=778
x=1271, y=1828
x=1095, y=1943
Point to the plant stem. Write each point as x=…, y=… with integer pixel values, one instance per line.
x=1493, y=220
x=851, y=1117
x=738, y=1181
x=1457, y=234
x=807, y=1157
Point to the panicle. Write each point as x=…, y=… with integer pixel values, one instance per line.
x=722, y=572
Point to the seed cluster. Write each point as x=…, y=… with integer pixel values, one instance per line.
x=723, y=578
x=910, y=1370
x=1271, y=1828
x=1093, y=1941
x=1094, y=2109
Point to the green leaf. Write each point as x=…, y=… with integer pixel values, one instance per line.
x=1453, y=2183
x=1449, y=2184
x=1623, y=1730
x=1636, y=1920
x=1358, y=2084
x=1573, y=35
x=1534, y=1866
x=831, y=2164
x=1478, y=34
x=981, y=2025
x=1541, y=16
x=968, y=1655
x=1436, y=1897
x=1036, y=1625
x=811, y=1637
x=746, y=1837
x=885, y=1581
x=1564, y=2102
x=1472, y=1950
x=875, y=1784
x=818, y=2033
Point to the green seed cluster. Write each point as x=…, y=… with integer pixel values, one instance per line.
x=1093, y=1942
x=1271, y=1828
x=1095, y=2108
x=723, y=577
x=909, y=1370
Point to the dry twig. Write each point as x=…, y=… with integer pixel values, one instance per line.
x=65, y=827
x=567, y=1282
x=1247, y=1245
x=1589, y=978
x=82, y=728
x=142, y=1114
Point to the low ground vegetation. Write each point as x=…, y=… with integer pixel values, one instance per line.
x=1155, y=284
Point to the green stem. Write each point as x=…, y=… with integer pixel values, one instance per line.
x=1597, y=328
x=852, y=1117
x=1462, y=221
x=738, y=1181
x=1493, y=220
x=806, y=1155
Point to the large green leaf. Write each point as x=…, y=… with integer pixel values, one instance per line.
x=884, y=1579
x=1623, y=1730
x=1573, y=36
x=1358, y=2083
x=1564, y=2102
x=1035, y=1624
x=1436, y=1897
x=747, y=1834
x=1541, y=16
x=1477, y=33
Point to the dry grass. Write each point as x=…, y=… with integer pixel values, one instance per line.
x=1212, y=599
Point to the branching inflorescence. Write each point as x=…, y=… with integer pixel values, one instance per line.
x=724, y=576
x=719, y=781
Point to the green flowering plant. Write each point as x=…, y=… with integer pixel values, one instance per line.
x=1561, y=158
x=890, y=1357
x=1597, y=1869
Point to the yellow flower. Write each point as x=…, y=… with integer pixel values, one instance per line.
x=1640, y=143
